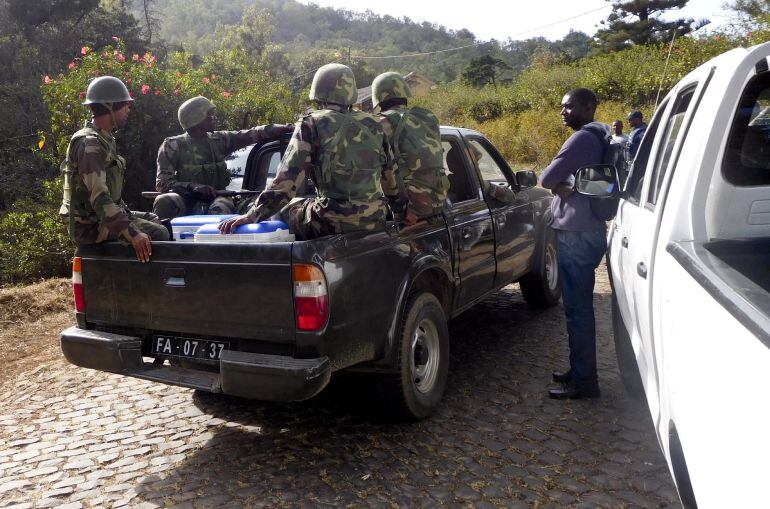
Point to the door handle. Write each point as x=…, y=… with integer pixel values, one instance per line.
x=466, y=233
x=641, y=269
x=624, y=242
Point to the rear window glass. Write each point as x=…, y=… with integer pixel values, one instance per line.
x=747, y=158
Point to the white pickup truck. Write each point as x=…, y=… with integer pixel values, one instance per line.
x=689, y=258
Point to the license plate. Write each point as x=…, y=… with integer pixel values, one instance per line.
x=188, y=348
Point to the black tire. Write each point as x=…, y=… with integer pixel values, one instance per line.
x=422, y=361
x=541, y=288
x=624, y=351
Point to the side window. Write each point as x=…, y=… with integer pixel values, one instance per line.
x=672, y=133
x=747, y=158
x=490, y=170
x=635, y=180
x=460, y=188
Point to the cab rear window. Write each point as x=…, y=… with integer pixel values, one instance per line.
x=747, y=158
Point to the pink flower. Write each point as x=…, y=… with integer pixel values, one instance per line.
x=149, y=58
x=145, y=89
x=176, y=91
x=120, y=57
x=157, y=92
x=115, y=38
x=206, y=80
x=135, y=58
x=82, y=95
x=267, y=73
x=71, y=65
x=748, y=34
x=84, y=50
x=47, y=79
x=226, y=94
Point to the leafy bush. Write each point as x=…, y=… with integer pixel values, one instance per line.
x=34, y=243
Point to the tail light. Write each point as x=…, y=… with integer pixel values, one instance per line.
x=311, y=300
x=77, y=285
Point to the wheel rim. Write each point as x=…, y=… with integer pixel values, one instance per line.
x=424, y=356
x=551, y=267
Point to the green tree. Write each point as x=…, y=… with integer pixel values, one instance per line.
x=638, y=22
x=752, y=14
x=484, y=70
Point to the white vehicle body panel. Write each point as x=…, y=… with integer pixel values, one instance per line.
x=704, y=369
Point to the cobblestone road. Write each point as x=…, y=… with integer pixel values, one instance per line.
x=71, y=437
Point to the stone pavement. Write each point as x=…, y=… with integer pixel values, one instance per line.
x=71, y=437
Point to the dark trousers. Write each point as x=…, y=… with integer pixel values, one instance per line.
x=579, y=253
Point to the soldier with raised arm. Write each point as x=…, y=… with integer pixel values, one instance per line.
x=93, y=177
x=192, y=167
x=345, y=154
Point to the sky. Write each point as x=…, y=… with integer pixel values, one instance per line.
x=518, y=19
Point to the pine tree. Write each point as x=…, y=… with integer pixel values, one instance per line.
x=638, y=22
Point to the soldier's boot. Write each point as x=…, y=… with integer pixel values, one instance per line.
x=169, y=206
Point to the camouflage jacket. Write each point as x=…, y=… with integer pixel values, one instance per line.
x=347, y=198
x=93, y=184
x=184, y=161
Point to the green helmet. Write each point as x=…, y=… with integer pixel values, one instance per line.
x=194, y=111
x=334, y=83
x=389, y=85
x=106, y=90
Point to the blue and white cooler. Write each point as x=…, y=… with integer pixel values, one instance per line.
x=266, y=231
x=184, y=227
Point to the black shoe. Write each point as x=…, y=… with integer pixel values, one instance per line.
x=562, y=377
x=573, y=390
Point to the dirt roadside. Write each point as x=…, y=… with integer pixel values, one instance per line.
x=31, y=318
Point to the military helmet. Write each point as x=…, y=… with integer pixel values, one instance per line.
x=106, y=90
x=194, y=111
x=334, y=83
x=389, y=85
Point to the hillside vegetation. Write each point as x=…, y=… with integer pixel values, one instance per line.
x=255, y=60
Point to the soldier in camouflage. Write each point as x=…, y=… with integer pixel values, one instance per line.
x=191, y=166
x=415, y=137
x=93, y=177
x=346, y=155
x=502, y=194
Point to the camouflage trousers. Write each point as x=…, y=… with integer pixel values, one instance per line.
x=171, y=205
x=306, y=221
x=426, y=194
x=146, y=222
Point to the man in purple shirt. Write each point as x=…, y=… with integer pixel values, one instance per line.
x=581, y=239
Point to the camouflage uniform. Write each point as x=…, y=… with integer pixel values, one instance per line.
x=502, y=194
x=345, y=154
x=185, y=162
x=93, y=184
x=415, y=137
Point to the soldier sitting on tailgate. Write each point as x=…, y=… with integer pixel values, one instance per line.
x=93, y=177
x=415, y=138
x=345, y=154
x=191, y=166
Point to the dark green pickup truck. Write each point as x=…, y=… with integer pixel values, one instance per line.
x=273, y=321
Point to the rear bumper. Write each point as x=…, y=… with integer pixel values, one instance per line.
x=244, y=374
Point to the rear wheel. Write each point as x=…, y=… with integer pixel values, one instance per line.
x=416, y=389
x=541, y=287
x=624, y=351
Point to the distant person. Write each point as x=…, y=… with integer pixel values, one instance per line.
x=345, y=154
x=415, y=138
x=617, y=134
x=93, y=177
x=581, y=239
x=192, y=167
x=638, y=128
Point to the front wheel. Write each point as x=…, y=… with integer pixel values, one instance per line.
x=416, y=389
x=541, y=287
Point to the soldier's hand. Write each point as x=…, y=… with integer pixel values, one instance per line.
x=229, y=225
x=142, y=246
x=203, y=192
x=279, y=130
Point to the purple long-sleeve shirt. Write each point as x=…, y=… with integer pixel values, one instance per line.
x=574, y=214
